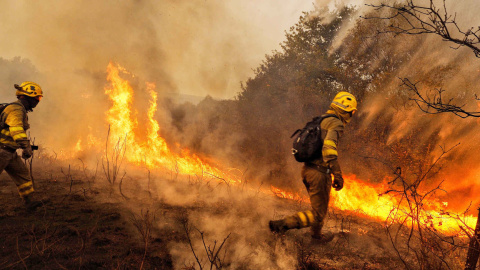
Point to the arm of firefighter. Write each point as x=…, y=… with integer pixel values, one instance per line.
x=337, y=174
x=334, y=129
x=15, y=122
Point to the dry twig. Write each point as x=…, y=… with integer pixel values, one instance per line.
x=435, y=103
x=414, y=19
x=144, y=225
x=113, y=163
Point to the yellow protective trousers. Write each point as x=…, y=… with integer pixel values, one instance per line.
x=18, y=171
x=318, y=185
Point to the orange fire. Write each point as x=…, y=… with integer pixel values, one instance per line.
x=154, y=152
x=357, y=196
x=364, y=198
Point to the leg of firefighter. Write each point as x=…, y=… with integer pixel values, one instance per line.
x=18, y=171
x=5, y=158
x=318, y=186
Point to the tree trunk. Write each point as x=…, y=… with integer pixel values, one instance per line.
x=474, y=248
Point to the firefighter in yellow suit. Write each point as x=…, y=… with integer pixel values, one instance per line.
x=13, y=124
x=317, y=174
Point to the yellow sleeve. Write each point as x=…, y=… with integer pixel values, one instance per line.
x=14, y=120
x=14, y=116
x=334, y=128
x=18, y=133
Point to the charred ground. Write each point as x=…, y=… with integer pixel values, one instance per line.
x=71, y=230
x=85, y=223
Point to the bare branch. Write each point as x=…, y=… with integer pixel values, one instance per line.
x=434, y=103
x=412, y=19
x=411, y=225
x=187, y=229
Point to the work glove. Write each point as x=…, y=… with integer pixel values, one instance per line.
x=337, y=174
x=27, y=152
x=337, y=182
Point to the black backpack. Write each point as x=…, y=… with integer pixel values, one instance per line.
x=2, y=107
x=308, y=142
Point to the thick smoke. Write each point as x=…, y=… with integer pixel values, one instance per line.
x=195, y=47
x=434, y=65
x=414, y=140
x=186, y=47
x=411, y=139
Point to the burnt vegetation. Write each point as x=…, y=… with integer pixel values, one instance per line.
x=412, y=225
x=74, y=229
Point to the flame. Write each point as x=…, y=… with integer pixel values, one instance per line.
x=365, y=199
x=289, y=195
x=154, y=152
x=78, y=146
x=92, y=141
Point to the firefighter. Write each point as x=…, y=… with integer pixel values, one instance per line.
x=317, y=174
x=13, y=124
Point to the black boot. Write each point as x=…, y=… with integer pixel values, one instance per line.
x=323, y=238
x=31, y=205
x=278, y=226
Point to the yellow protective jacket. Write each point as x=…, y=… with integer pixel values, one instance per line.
x=13, y=124
x=332, y=128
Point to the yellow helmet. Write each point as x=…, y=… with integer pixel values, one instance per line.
x=29, y=89
x=345, y=102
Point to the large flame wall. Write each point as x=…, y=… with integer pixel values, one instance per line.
x=154, y=152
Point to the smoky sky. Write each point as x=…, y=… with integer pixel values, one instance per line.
x=188, y=47
x=193, y=47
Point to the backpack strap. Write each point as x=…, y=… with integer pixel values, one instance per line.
x=323, y=117
x=295, y=133
x=329, y=115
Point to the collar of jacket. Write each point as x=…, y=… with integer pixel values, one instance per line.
x=19, y=102
x=344, y=116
